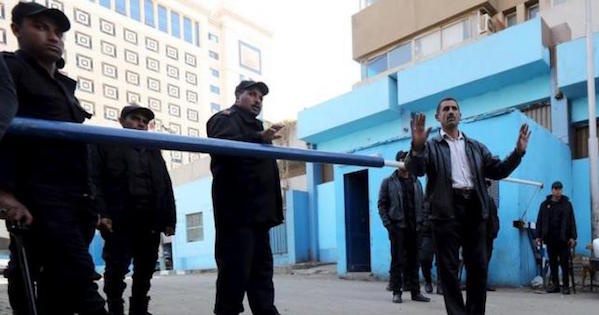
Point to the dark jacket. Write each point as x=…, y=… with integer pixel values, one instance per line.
x=434, y=161
x=114, y=184
x=36, y=169
x=390, y=203
x=245, y=190
x=493, y=221
x=8, y=95
x=568, y=223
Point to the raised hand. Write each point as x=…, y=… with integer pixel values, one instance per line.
x=271, y=133
x=523, y=137
x=419, y=133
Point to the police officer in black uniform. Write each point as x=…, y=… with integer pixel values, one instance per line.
x=8, y=95
x=246, y=194
x=45, y=183
x=136, y=203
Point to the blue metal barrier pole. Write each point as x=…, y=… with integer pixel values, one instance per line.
x=95, y=134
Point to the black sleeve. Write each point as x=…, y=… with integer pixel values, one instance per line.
x=170, y=211
x=8, y=95
x=573, y=232
x=224, y=127
x=8, y=147
x=97, y=172
x=499, y=169
x=539, y=224
x=383, y=202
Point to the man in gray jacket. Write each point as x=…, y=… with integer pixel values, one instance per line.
x=399, y=197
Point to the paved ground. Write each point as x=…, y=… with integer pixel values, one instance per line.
x=319, y=291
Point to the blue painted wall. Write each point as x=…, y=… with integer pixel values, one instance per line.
x=581, y=201
x=327, y=228
x=298, y=228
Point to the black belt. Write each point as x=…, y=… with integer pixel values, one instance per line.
x=465, y=193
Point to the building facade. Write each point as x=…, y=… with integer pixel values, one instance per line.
x=507, y=62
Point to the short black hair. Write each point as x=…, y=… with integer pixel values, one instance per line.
x=447, y=99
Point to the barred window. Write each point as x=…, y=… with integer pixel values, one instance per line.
x=194, y=223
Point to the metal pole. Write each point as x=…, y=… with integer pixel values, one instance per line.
x=593, y=144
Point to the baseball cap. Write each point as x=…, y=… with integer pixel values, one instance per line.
x=401, y=155
x=30, y=9
x=557, y=185
x=136, y=108
x=248, y=84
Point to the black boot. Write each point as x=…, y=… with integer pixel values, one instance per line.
x=139, y=306
x=116, y=307
x=428, y=287
x=397, y=297
x=418, y=297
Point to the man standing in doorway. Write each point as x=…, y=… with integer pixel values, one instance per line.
x=246, y=193
x=399, y=198
x=456, y=167
x=556, y=227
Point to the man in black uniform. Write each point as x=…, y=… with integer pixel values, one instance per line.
x=246, y=194
x=556, y=227
x=456, y=166
x=136, y=203
x=8, y=95
x=46, y=182
x=400, y=196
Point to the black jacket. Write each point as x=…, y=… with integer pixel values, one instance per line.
x=8, y=95
x=390, y=203
x=568, y=223
x=245, y=190
x=113, y=182
x=434, y=161
x=493, y=221
x=43, y=169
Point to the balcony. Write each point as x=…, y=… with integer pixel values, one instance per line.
x=572, y=67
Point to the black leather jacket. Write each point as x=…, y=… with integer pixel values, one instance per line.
x=390, y=201
x=567, y=223
x=434, y=161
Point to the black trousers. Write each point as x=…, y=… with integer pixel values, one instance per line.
x=559, y=254
x=60, y=264
x=469, y=231
x=245, y=264
x=425, y=256
x=404, y=258
x=128, y=243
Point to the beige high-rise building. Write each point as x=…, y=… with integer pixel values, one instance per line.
x=178, y=57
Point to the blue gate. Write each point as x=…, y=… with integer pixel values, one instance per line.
x=278, y=239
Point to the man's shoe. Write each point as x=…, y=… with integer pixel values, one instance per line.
x=428, y=287
x=418, y=297
x=397, y=298
x=552, y=290
x=566, y=291
x=139, y=306
x=439, y=290
x=491, y=289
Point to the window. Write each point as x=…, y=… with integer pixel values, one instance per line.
x=173, y=90
x=172, y=52
x=213, y=55
x=111, y=92
x=131, y=57
x=215, y=73
x=511, y=19
x=174, y=110
x=191, y=78
x=2, y=36
x=187, y=33
x=193, y=115
x=133, y=98
x=152, y=64
x=82, y=17
x=190, y=59
x=172, y=71
x=214, y=89
x=120, y=7
x=85, y=85
x=111, y=113
x=83, y=40
x=400, y=55
x=134, y=10
x=55, y=4
x=84, y=62
x=108, y=49
x=197, y=34
x=130, y=36
x=89, y=107
x=213, y=38
x=162, y=19
x=132, y=77
x=377, y=65
x=174, y=129
x=456, y=33
x=192, y=96
x=533, y=11
x=581, y=142
x=105, y=3
x=153, y=84
x=194, y=223
x=214, y=107
x=107, y=27
x=250, y=57
x=149, y=13
x=109, y=70
x=175, y=24
x=176, y=156
x=427, y=45
x=155, y=104
x=152, y=44
x=193, y=132
x=2, y=14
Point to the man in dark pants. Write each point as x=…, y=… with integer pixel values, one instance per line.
x=400, y=196
x=246, y=194
x=46, y=182
x=136, y=203
x=492, y=228
x=8, y=95
x=556, y=227
x=456, y=167
x=425, y=246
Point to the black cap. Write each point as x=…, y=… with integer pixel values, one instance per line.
x=30, y=9
x=136, y=108
x=248, y=84
x=557, y=185
x=401, y=155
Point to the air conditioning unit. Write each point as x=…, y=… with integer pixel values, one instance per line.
x=485, y=24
